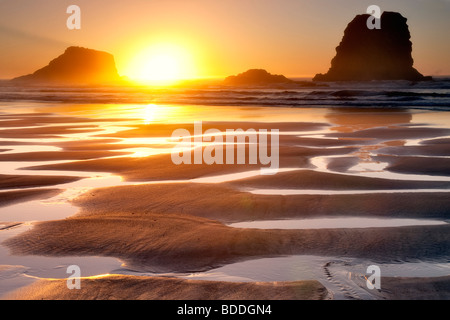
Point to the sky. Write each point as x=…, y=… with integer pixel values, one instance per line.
x=209, y=38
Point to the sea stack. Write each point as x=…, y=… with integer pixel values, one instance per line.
x=76, y=66
x=374, y=54
x=256, y=77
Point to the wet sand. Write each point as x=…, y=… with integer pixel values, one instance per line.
x=308, y=179
x=25, y=181
x=95, y=145
x=117, y=287
x=45, y=132
x=417, y=165
x=161, y=167
x=34, y=119
x=398, y=288
x=423, y=150
x=57, y=155
x=180, y=227
x=10, y=197
x=180, y=243
x=226, y=204
x=444, y=141
x=395, y=133
x=165, y=130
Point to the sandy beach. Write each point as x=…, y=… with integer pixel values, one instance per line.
x=166, y=218
x=177, y=243
x=10, y=197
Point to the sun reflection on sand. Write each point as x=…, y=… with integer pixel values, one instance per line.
x=153, y=113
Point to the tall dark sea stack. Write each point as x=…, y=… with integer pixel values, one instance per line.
x=76, y=66
x=374, y=54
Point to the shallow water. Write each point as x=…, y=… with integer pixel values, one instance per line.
x=335, y=223
x=18, y=271
x=287, y=192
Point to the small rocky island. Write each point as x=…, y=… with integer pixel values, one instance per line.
x=262, y=78
x=374, y=54
x=256, y=77
x=76, y=66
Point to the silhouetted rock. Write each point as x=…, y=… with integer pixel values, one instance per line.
x=76, y=66
x=256, y=77
x=377, y=54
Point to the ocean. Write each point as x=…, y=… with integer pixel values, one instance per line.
x=380, y=94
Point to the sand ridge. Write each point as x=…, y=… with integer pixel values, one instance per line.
x=119, y=287
x=184, y=243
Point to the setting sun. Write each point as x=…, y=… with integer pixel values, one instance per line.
x=161, y=64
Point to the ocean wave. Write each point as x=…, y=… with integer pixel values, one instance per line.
x=395, y=95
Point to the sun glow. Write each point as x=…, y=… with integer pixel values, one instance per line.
x=161, y=64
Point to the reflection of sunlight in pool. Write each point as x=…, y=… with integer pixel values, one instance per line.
x=153, y=112
x=373, y=170
x=30, y=148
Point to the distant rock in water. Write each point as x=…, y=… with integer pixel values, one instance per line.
x=256, y=77
x=76, y=66
x=377, y=54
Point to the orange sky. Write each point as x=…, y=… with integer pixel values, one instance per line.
x=215, y=38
